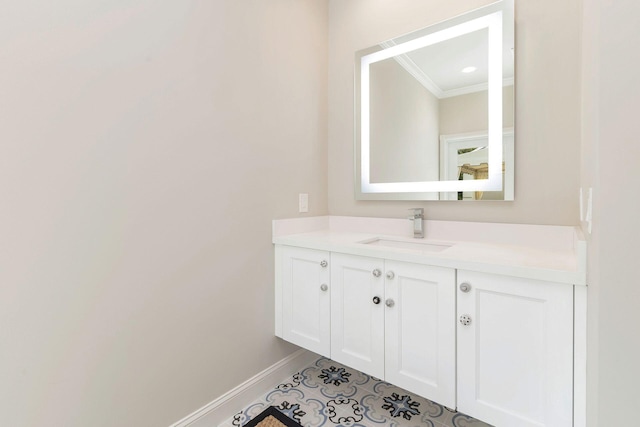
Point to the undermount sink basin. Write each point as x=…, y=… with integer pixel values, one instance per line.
x=403, y=244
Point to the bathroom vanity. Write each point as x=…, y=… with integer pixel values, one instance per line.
x=488, y=319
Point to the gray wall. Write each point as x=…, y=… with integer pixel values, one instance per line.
x=610, y=154
x=146, y=147
x=547, y=107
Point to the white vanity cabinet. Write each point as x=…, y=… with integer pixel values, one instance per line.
x=489, y=319
x=515, y=350
x=396, y=321
x=357, y=312
x=496, y=347
x=303, y=294
x=420, y=345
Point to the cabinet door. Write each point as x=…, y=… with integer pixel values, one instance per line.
x=515, y=357
x=420, y=330
x=305, y=301
x=357, y=313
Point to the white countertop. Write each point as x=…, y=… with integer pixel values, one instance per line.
x=551, y=253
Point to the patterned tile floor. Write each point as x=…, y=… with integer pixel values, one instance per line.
x=332, y=395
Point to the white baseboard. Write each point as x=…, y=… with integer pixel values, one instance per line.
x=223, y=408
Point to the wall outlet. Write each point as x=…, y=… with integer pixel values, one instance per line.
x=303, y=202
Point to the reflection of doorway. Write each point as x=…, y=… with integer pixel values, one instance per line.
x=462, y=157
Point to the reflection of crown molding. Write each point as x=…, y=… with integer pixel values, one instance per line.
x=411, y=67
x=473, y=88
x=417, y=73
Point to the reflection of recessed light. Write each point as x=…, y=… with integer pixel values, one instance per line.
x=469, y=69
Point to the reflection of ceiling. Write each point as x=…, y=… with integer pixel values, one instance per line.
x=443, y=62
x=439, y=66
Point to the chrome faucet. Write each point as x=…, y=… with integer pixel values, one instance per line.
x=418, y=216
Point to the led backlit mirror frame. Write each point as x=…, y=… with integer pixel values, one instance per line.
x=489, y=18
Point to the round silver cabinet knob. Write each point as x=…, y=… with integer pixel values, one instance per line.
x=324, y=287
x=376, y=300
x=465, y=319
x=389, y=303
x=465, y=287
x=390, y=275
x=323, y=263
x=377, y=272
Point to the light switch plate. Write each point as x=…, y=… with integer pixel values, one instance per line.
x=581, y=206
x=589, y=215
x=303, y=202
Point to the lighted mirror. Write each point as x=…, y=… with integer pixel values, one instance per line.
x=434, y=111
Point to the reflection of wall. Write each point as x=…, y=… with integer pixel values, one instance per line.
x=404, y=126
x=469, y=112
x=547, y=108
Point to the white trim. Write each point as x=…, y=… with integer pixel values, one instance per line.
x=580, y=356
x=580, y=248
x=461, y=140
x=223, y=408
x=278, y=290
x=473, y=88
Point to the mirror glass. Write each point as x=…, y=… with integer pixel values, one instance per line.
x=434, y=111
